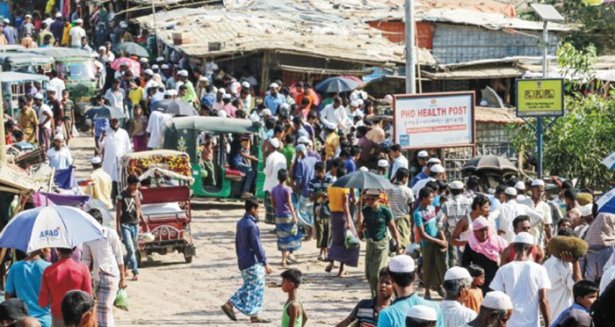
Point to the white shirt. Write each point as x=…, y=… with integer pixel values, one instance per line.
x=115, y=145
x=275, y=162
x=560, y=295
x=544, y=210
x=76, y=34
x=41, y=116
x=57, y=85
x=155, y=128
x=420, y=184
x=335, y=116
x=607, y=278
x=116, y=98
x=104, y=254
x=522, y=280
x=456, y=314
x=59, y=159
x=48, y=23
x=511, y=210
x=400, y=162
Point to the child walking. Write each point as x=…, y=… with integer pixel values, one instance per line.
x=289, y=236
x=293, y=314
x=475, y=294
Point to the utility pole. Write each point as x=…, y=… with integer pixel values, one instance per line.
x=2, y=131
x=410, y=60
x=539, y=131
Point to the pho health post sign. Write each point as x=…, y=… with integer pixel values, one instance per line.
x=434, y=120
x=540, y=97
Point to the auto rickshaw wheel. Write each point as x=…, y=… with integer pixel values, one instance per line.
x=188, y=257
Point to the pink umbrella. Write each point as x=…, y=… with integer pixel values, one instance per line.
x=354, y=78
x=133, y=65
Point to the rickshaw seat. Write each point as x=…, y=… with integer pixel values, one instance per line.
x=233, y=174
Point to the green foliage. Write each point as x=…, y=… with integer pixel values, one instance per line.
x=576, y=63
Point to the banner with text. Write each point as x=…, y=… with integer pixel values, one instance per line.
x=540, y=97
x=434, y=120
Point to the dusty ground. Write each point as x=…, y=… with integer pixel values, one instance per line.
x=172, y=293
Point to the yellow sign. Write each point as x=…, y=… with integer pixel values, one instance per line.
x=540, y=97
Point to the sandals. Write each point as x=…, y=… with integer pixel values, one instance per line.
x=258, y=320
x=229, y=312
x=329, y=268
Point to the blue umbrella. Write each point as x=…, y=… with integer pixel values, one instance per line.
x=49, y=227
x=606, y=203
x=336, y=85
x=609, y=161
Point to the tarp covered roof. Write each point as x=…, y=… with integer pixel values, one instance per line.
x=496, y=115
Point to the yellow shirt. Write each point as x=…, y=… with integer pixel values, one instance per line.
x=332, y=142
x=336, y=198
x=27, y=121
x=136, y=95
x=66, y=35
x=101, y=188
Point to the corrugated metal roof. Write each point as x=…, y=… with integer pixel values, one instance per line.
x=496, y=115
x=248, y=30
x=475, y=73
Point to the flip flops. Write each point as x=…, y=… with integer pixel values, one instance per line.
x=229, y=312
x=259, y=320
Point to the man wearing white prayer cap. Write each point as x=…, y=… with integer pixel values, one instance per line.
x=421, y=316
x=383, y=167
x=541, y=231
x=274, y=99
x=101, y=185
x=495, y=310
x=422, y=157
x=434, y=172
x=402, y=272
x=457, y=282
x=526, y=282
x=59, y=154
x=512, y=209
x=520, y=187
x=457, y=207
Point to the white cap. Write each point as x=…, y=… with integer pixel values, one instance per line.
x=58, y=15
x=226, y=96
x=363, y=168
x=245, y=85
x=423, y=154
x=303, y=140
x=360, y=102
x=401, y=264
x=520, y=186
x=203, y=79
x=96, y=160
x=28, y=16
x=6, y=20
x=155, y=67
x=141, y=60
x=275, y=143
x=437, y=168
x=222, y=113
x=183, y=73
x=266, y=113
x=221, y=90
x=497, y=300
x=525, y=238
x=354, y=103
x=510, y=191
x=160, y=59
x=123, y=24
x=372, y=192
x=169, y=92
x=164, y=66
x=102, y=47
x=284, y=106
x=434, y=161
x=423, y=312
x=149, y=72
x=301, y=148
x=274, y=85
x=538, y=182
x=78, y=21
x=153, y=84
x=456, y=185
x=457, y=273
x=38, y=96
x=586, y=210
x=58, y=137
x=383, y=163
x=330, y=125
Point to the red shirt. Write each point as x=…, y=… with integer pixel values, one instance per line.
x=60, y=278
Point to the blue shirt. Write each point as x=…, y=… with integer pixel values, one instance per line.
x=24, y=281
x=304, y=174
x=100, y=125
x=417, y=178
x=10, y=34
x=569, y=314
x=248, y=245
x=351, y=167
x=273, y=102
x=395, y=314
x=208, y=99
x=427, y=219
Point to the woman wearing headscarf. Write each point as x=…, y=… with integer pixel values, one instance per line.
x=484, y=249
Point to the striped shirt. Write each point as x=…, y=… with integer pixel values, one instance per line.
x=400, y=199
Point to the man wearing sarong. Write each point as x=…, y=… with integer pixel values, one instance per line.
x=253, y=264
x=322, y=215
x=373, y=224
x=400, y=201
x=304, y=172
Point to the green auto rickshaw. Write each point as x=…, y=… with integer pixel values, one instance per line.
x=15, y=85
x=25, y=62
x=184, y=134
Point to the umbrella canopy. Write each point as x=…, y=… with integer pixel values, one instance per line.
x=364, y=180
x=336, y=85
x=97, y=204
x=132, y=48
x=49, y=227
x=489, y=162
x=175, y=107
x=606, y=203
x=133, y=66
x=105, y=112
x=609, y=161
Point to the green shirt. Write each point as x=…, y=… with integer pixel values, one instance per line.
x=286, y=317
x=289, y=152
x=376, y=222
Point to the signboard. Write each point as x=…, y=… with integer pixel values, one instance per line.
x=434, y=120
x=540, y=97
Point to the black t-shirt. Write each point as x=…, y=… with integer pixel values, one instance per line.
x=56, y=108
x=491, y=267
x=128, y=214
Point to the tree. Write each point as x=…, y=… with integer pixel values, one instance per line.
x=576, y=143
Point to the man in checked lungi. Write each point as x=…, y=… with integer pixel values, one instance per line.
x=106, y=262
x=253, y=265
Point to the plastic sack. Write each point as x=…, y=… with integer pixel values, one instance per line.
x=121, y=300
x=75, y=132
x=350, y=240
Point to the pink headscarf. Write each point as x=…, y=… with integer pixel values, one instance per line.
x=492, y=246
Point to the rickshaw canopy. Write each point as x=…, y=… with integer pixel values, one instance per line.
x=20, y=59
x=214, y=125
x=15, y=77
x=62, y=54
